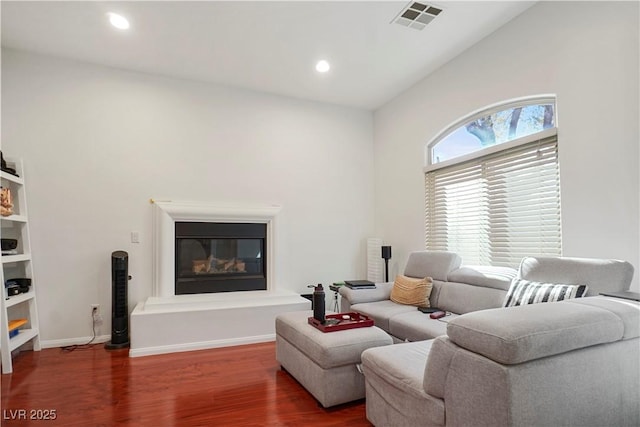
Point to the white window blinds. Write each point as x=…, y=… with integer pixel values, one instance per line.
x=496, y=209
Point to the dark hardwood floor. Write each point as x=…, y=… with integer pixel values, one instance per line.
x=232, y=386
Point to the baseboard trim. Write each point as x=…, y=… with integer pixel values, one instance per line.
x=149, y=351
x=73, y=341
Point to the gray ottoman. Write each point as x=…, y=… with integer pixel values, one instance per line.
x=325, y=363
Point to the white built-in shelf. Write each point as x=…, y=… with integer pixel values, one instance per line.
x=14, y=218
x=17, y=299
x=6, y=259
x=22, y=338
x=17, y=226
x=11, y=178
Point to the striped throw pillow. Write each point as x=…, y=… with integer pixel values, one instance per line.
x=412, y=291
x=523, y=292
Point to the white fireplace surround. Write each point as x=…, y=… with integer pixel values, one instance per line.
x=167, y=213
x=167, y=323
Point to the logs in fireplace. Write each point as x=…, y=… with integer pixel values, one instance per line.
x=220, y=257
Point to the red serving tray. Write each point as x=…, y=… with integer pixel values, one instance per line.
x=355, y=320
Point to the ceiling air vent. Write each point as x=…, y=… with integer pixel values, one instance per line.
x=417, y=15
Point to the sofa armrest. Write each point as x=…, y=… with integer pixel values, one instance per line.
x=519, y=334
x=356, y=296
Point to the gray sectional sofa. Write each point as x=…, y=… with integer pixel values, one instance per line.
x=461, y=289
x=575, y=362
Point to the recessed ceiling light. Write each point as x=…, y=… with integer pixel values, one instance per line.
x=322, y=66
x=118, y=21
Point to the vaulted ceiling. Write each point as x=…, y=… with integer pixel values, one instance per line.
x=265, y=45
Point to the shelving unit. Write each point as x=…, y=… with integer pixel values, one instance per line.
x=18, y=265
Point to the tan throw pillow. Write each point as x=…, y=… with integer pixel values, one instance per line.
x=412, y=291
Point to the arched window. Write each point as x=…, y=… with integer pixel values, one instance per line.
x=492, y=191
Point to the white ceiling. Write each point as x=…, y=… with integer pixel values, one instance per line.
x=266, y=46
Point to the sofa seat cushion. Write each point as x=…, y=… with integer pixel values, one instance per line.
x=418, y=326
x=382, y=311
x=328, y=349
x=517, y=334
x=396, y=373
x=401, y=365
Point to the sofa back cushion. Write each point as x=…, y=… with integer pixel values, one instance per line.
x=472, y=288
x=434, y=264
x=461, y=298
x=484, y=276
x=600, y=275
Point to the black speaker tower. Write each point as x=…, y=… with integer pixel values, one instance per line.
x=119, y=305
x=386, y=255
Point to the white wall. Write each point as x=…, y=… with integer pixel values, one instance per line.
x=98, y=143
x=585, y=52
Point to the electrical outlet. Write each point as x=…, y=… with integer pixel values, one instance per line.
x=95, y=313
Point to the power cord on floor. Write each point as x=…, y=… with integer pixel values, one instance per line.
x=70, y=348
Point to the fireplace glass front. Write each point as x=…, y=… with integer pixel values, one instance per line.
x=220, y=257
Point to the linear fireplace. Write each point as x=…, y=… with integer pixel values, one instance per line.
x=216, y=257
x=177, y=229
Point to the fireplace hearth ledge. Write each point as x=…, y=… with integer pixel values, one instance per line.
x=196, y=322
x=218, y=301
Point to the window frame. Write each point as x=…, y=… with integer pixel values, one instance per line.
x=494, y=151
x=485, y=111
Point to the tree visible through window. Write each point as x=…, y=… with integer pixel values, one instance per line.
x=495, y=206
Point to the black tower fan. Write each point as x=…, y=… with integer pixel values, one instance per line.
x=119, y=306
